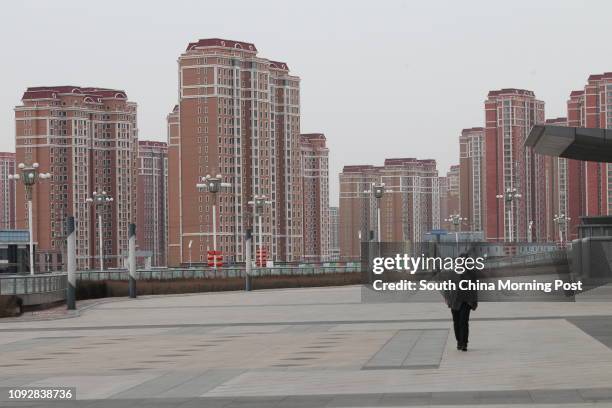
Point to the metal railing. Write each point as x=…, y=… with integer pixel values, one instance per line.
x=221, y=273
x=52, y=282
x=529, y=259
x=30, y=284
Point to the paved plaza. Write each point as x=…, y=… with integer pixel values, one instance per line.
x=317, y=347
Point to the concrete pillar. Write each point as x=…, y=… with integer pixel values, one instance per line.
x=132, y=259
x=71, y=263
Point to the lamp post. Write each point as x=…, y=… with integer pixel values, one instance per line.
x=456, y=220
x=377, y=191
x=562, y=221
x=258, y=203
x=529, y=232
x=100, y=200
x=509, y=197
x=29, y=176
x=190, y=243
x=213, y=185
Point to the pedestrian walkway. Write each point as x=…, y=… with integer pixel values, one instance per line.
x=316, y=347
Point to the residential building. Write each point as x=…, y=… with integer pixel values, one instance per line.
x=315, y=190
x=152, y=225
x=7, y=191
x=450, y=198
x=471, y=191
x=453, y=190
x=238, y=116
x=409, y=208
x=557, y=192
x=87, y=138
x=509, y=166
x=443, y=194
x=334, y=243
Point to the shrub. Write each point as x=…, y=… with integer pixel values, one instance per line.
x=10, y=306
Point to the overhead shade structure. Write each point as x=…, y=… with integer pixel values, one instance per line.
x=572, y=142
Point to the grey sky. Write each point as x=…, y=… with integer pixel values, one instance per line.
x=379, y=78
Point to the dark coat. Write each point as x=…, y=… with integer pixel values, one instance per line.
x=455, y=298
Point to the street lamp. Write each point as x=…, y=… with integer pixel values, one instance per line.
x=258, y=203
x=213, y=185
x=100, y=200
x=456, y=220
x=29, y=176
x=562, y=221
x=509, y=197
x=529, y=232
x=377, y=191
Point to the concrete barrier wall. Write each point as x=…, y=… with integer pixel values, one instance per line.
x=35, y=299
x=591, y=258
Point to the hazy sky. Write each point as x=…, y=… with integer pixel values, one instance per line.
x=380, y=78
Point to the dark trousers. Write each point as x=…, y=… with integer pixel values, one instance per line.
x=461, y=320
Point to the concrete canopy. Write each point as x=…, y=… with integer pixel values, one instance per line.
x=572, y=142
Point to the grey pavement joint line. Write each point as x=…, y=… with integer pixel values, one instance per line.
x=276, y=323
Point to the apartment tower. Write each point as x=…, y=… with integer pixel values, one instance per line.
x=7, y=191
x=152, y=231
x=87, y=138
x=453, y=190
x=410, y=207
x=443, y=195
x=334, y=244
x=510, y=114
x=450, y=197
x=238, y=116
x=315, y=190
x=592, y=108
x=471, y=159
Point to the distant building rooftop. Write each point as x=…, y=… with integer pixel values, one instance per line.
x=511, y=91
x=220, y=42
x=52, y=92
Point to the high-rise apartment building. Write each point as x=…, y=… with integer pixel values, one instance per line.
x=471, y=192
x=453, y=189
x=579, y=172
x=152, y=225
x=174, y=216
x=449, y=187
x=87, y=139
x=334, y=243
x=238, y=116
x=443, y=196
x=7, y=191
x=588, y=190
x=592, y=108
x=557, y=192
x=509, y=166
x=315, y=190
x=409, y=208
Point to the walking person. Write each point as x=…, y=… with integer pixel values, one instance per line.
x=462, y=302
